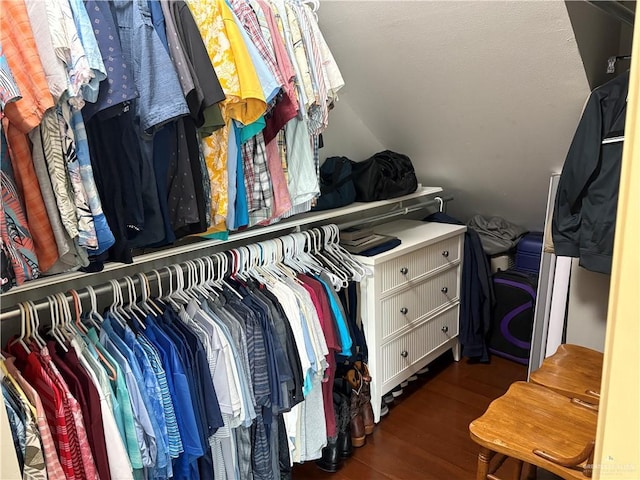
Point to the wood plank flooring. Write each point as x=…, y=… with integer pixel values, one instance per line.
x=425, y=436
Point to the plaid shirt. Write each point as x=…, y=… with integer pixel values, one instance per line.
x=249, y=22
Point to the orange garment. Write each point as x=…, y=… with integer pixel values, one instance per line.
x=22, y=116
x=44, y=242
x=22, y=56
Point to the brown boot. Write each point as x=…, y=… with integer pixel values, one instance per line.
x=365, y=397
x=354, y=378
x=356, y=423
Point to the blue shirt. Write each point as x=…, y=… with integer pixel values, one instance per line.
x=180, y=394
x=341, y=322
x=119, y=86
x=144, y=428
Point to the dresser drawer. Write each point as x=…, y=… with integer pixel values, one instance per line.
x=402, y=352
x=402, y=270
x=408, y=307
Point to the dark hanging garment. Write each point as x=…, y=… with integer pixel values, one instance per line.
x=584, y=215
x=476, y=294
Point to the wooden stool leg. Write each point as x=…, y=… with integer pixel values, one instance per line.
x=530, y=472
x=517, y=471
x=484, y=457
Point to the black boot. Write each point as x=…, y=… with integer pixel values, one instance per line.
x=330, y=461
x=341, y=406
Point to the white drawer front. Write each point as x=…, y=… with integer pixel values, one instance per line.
x=409, y=307
x=409, y=348
x=402, y=270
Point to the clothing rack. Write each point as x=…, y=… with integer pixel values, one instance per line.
x=355, y=214
x=225, y=263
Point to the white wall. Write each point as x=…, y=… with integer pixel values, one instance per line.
x=587, y=309
x=483, y=96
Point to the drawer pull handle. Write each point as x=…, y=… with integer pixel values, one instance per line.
x=404, y=310
x=404, y=354
x=444, y=290
x=445, y=253
x=404, y=270
x=445, y=329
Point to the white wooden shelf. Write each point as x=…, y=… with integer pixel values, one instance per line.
x=41, y=287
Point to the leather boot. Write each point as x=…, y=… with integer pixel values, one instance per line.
x=365, y=397
x=362, y=390
x=341, y=407
x=356, y=423
x=330, y=460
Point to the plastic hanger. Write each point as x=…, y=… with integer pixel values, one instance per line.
x=132, y=308
x=146, y=301
x=35, y=322
x=115, y=309
x=160, y=297
x=67, y=318
x=23, y=329
x=78, y=309
x=54, y=310
x=93, y=314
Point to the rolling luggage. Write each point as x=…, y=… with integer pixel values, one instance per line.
x=513, y=313
x=528, y=252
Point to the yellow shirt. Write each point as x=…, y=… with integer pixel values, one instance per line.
x=244, y=101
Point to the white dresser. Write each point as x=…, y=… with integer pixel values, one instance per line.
x=410, y=305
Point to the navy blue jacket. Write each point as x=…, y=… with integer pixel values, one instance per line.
x=476, y=293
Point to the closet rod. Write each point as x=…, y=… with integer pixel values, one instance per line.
x=399, y=212
x=102, y=290
x=180, y=253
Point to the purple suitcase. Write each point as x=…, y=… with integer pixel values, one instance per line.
x=513, y=313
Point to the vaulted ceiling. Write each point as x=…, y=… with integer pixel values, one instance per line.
x=483, y=96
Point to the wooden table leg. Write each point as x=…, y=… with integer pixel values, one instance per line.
x=484, y=457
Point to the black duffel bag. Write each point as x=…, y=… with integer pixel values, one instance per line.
x=336, y=184
x=385, y=175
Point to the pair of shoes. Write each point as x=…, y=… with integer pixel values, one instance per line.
x=388, y=398
x=423, y=371
x=412, y=378
x=365, y=396
x=384, y=409
x=397, y=391
x=360, y=401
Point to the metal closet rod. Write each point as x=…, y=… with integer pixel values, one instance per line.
x=101, y=290
x=440, y=201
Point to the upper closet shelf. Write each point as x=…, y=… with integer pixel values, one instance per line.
x=44, y=286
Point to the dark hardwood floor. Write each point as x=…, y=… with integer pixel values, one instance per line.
x=425, y=435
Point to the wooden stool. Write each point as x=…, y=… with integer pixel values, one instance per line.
x=573, y=371
x=535, y=426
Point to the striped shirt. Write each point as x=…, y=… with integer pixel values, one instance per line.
x=81, y=455
x=54, y=469
x=175, y=442
x=52, y=402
